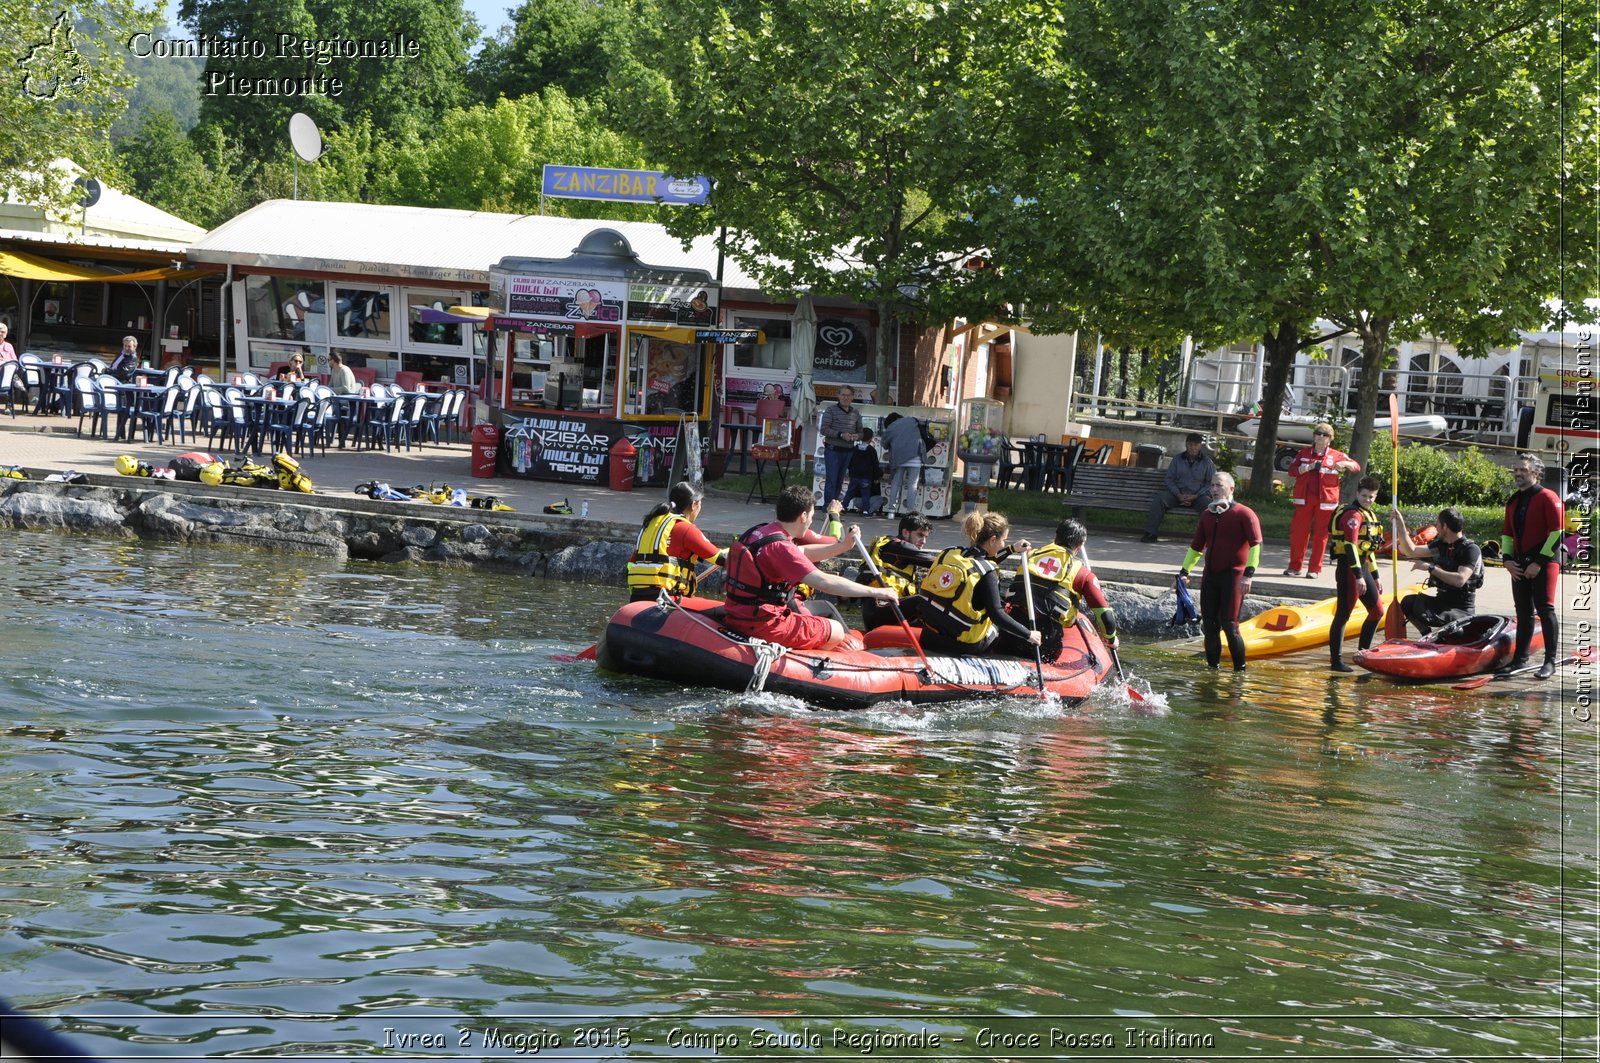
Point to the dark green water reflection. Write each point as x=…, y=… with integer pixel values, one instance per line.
x=264, y=804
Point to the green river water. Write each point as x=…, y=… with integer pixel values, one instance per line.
x=264, y=805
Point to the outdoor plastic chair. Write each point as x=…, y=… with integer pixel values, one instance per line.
x=8, y=379
x=88, y=402
x=157, y=420
x=107, y=405
x=387, y=425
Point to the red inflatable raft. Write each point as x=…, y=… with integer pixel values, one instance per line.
x=1473, y=646
x=686, y=643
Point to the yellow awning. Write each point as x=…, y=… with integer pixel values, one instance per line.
x=38, y=268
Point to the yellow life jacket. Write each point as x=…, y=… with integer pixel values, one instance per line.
x=1053, y=571
x=651, y=569
x=902, y=578
x=1366, y=544
x=947, y=591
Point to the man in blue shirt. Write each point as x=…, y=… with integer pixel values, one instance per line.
x=1188, y=484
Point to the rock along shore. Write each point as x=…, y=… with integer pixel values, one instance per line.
x=344, y=528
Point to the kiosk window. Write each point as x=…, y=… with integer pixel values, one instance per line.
x=774, y=354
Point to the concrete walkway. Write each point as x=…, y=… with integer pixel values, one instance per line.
x=50, y=444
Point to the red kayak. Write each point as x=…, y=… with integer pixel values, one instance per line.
x=687, y=643
x=1474, y=646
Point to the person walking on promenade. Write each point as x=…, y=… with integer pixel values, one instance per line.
x=840, y=428
x=1454, y=564
x=1356, y=535
x=1188, y=484
x=902, y=437
x=1316, y=471
x=1535, y=521
x=1229, y=536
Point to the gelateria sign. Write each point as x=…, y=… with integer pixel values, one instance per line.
x=556, y=298
x=613, y=185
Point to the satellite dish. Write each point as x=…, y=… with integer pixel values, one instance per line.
x=91, y=191
x=305, y=137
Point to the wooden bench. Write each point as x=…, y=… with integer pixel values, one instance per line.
x=1118, y=487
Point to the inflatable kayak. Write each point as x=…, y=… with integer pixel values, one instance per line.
x=1288, y=628
x=1472, y=646
x=687, y=643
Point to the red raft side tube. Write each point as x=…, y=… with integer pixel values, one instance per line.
x=1473, y=646
x=687, y=644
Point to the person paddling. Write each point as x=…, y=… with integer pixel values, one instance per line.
x=669, y=547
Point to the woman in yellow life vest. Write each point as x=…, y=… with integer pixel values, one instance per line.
x=1063, y=589
x=1356, y=534
x=669, y=546
x=962, y=613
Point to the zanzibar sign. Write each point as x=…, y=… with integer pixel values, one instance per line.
x=623, y=186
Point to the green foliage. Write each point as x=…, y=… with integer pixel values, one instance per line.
x=491, y=157
x=205, y=180
x=166, y=83
x=844, y=137
x=60, y=90
x=550, y=43
x=1432, y=476
x=388, y=91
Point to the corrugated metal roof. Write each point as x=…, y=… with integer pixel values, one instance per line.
x=426, y=243
x=66, y=243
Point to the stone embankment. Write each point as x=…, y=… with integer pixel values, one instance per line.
x=343, y=528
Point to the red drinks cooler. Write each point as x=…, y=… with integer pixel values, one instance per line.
x=624, y=463
x=485, y=450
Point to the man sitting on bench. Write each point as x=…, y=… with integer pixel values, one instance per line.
x=1188, y=484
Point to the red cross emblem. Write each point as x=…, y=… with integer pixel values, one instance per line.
x=946, y=579
x=1049, y=567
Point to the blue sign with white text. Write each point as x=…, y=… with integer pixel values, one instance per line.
x=623, y=186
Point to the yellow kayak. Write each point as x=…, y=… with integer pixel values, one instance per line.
x=1287, y=628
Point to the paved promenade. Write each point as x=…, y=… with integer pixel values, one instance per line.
x=50, y=444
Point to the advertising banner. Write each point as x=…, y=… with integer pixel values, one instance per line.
x=673, y=304
x=557, y=298
x=577, y=450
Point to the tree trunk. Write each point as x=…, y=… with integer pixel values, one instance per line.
x=1374, y=333
x=888, y=349
x=1281, y=350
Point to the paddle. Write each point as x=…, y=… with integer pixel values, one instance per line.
x=1027, y=596
x=1394, y=621
x=895, y=605
x=1116, y=660
x=1583, y=655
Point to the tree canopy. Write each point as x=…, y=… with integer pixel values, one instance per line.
x=843, y=139
x=307, y=39
x=60, y=91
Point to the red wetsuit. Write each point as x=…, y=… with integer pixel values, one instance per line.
x=1226, y=539
x=1535, y=521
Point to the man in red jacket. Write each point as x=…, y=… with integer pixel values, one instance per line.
x=1535, y=522
x=1316, y=472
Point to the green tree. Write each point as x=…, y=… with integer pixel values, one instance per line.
x=1241, y=169
x=206, y=182
x=161, y=83
x=843, y=137
x=549, y=43
x=493, y=157
x=390, y=90
x=1467, y=218
x=60, y=92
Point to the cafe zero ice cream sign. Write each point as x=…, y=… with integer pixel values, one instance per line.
x=844, y=350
